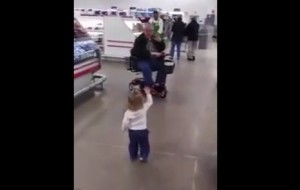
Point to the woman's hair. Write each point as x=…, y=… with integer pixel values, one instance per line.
x=135, y=100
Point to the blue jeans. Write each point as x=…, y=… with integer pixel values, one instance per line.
x=148, y=66
x=178, y=48
x=139, y=139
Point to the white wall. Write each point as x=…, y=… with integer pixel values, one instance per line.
x=202, y=7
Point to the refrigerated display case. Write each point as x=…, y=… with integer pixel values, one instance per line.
x=87, y=61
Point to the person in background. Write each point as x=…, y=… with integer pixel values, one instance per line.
x=164, y=25
x=178, y=30
x=157, y=23
x=135, y=122
x=192, y=32
x=148, y=49
x=168, y=26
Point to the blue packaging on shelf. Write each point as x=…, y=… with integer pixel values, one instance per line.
x=85, y=50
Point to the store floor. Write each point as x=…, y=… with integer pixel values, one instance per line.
x=183, y=132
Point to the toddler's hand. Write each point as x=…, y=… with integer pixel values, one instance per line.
x=147, y=90
x=124, y=128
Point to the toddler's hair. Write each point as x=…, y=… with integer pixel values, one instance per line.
x=135, y=100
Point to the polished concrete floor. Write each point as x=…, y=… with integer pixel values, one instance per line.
x=183, y=132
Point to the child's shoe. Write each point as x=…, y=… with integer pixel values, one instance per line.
x=143, y=160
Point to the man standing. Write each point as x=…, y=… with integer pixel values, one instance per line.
x=157, y=24
x=177, y=37
x=192, y=32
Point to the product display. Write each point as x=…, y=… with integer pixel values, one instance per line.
x=87, y=61
x=132, y=12
x=84, y=50
x=84, y=47
x=122, y=14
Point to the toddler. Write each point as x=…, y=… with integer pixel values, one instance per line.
x=135, y=121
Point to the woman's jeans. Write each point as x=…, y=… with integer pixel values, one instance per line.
x=178, y=48
x=150, y=65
